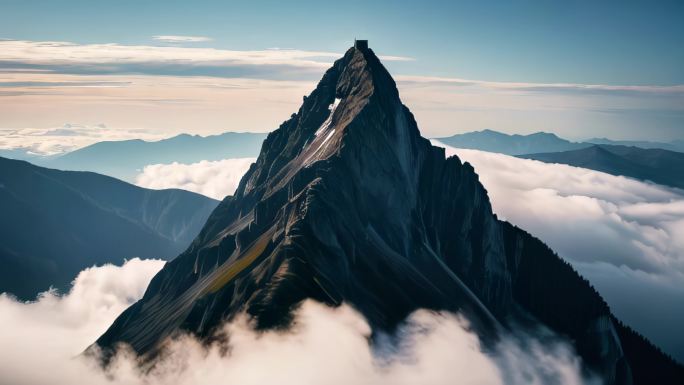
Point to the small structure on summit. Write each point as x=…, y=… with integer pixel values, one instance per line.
x=361, y=44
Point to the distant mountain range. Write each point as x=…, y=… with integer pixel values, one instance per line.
x=21, y=154
x=656, y=165
x=125, y=159
x=494, y=141
x=54, y=224
x=676, y=145
x=657, y=162
x=540, y=142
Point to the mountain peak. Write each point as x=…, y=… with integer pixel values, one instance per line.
x=347, y=203
x=544, y=134
x=333, y=209
x=357, y=88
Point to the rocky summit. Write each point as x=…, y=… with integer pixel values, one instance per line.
x=348, y=203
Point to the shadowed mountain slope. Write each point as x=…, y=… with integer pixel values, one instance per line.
x=56, y=223
x=655, y=165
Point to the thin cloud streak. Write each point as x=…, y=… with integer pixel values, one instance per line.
x=62, y=54
x=68, y=137
x=201, y=90
x=542, y=87
x=55, y=52
x=164, y=105
x=209, y=105
x=181, y=39
x=112, y=58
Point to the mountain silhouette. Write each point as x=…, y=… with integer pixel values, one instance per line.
x=655, y=165
x=494, y=141
x=540, y=142
x=56, y=223
x=107, y=157
x=675, y=145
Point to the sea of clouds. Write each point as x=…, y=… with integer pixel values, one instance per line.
x=42, y=342
x=69, y=137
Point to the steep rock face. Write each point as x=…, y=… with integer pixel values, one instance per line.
x=347, y=202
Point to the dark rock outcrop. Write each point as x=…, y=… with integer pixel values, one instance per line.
x=348, y=203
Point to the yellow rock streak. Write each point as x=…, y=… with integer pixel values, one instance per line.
x=230, y=271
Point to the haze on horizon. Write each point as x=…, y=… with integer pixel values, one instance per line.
x=92, y=71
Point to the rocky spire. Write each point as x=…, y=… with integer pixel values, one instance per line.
x=348, y=203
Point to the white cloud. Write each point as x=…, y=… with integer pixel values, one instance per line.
x=215, y=179
x=599, y=212
x=331, y=346
x=181, y=39
x=68, y=137
x=65, y=53
x=67, y=57
x=41, y=341
x=165, y=104
x=41, y=338
x=624, y=235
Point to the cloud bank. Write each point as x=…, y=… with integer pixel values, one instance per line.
x=41, y=342
x=40, y=339
x=166, y=104
x=181, y=39
x=625, y=236
x=68, y=137
x=112, y=58
x=215, y=179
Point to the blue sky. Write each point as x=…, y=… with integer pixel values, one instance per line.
x=577, y=68
x=606, y=42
